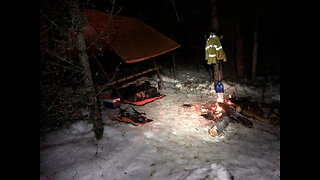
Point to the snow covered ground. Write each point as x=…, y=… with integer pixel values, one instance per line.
x=175, y=145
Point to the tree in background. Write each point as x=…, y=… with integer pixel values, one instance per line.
x=239, y=19
x=67, y=93
x=215, y=27
x=84, y=61
x=257, y=13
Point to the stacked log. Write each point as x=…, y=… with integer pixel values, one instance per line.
x=241, y=111
x=230, y=114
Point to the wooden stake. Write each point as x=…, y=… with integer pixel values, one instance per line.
x=107, y=76
x=159, y=76
x=174, y=65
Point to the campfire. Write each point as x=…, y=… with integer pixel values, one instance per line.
x=218, y=114
x=214, y=110
x=217, y=109
x=231, y=110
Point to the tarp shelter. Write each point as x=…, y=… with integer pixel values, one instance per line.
x=130, y=38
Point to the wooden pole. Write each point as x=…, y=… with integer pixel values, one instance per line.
x=160, y=84
x=104, y=86
x=211, y=71
x=174, y=65
x=217, y=72
x=107, y=76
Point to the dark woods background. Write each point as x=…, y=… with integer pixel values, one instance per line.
x=188, y=22
x=64, y=85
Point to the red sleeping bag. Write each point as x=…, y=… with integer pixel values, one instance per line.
x=143, y=102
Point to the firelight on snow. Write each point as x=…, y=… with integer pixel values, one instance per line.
x=176, y=145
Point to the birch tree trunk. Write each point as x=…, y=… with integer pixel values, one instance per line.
x=84, y=61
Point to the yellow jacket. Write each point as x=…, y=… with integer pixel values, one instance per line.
x=214, y=50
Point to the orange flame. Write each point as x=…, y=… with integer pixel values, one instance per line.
x=219, y=109
x=220, y=97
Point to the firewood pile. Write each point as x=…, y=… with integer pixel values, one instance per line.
x=269, y=113
x=134, y=117
x=242, y=111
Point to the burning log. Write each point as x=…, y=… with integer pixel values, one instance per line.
x=234, y=112
x=241, y=110
x=230, y=114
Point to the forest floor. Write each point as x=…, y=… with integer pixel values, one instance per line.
x=175, y=145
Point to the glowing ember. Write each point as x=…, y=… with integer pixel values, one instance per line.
x=229, y=102
x=219, y=109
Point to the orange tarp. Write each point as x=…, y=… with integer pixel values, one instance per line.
x=130, y=38
x=143, y=102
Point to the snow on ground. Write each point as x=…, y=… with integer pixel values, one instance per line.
x=175, y=145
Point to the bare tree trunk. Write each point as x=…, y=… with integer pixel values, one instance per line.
x=255, y=51
x=214, y=16
x=258, y=13
x=239, y=50
x=84, y=61
x=215, y=28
